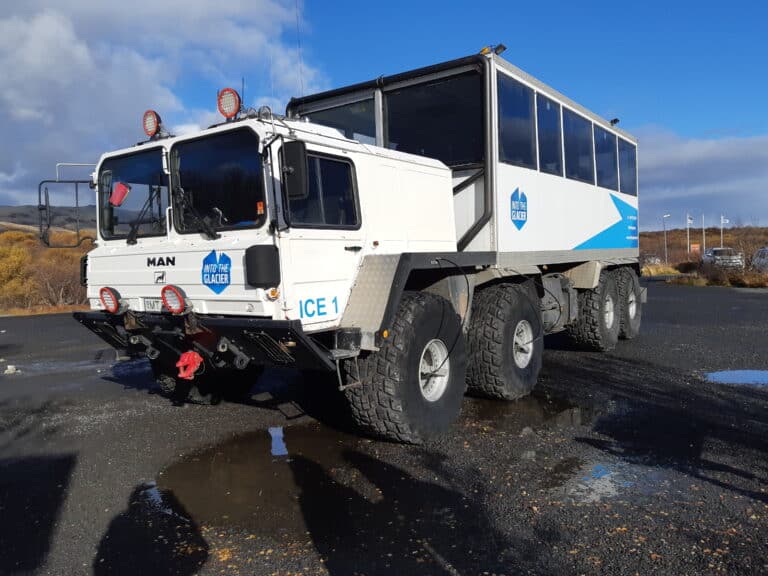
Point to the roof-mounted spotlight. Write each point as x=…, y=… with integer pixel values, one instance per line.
x=614, y=121
x=497, y=49
x=151, y=123
x=229, y=103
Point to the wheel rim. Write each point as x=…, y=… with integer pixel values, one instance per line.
x=434, y=370
x=632, y=304
x=609, y=313
x=522, y=344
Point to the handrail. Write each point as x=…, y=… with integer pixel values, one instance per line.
x=68, y=165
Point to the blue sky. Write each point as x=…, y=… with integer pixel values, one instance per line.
x=687, y=78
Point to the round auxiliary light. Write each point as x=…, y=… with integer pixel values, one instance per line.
x=173, y=299
x=229, y=103
x=110, y=299
x=151, y=123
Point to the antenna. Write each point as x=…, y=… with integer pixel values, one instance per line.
x=271, y=76
x=298, y=43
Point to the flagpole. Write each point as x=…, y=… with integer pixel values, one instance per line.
x=703, y=236
x=721, y=230
x=688, y=231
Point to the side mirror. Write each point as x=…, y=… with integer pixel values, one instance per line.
x=295, y=170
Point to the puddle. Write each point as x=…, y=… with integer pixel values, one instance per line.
x=530, y=412
x=747, y=377
x=600, y=481
x=561, y=473
x=100, y=361
x=52, y=367
x=250, y=481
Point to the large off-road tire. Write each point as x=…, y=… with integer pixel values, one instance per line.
x=631, y=308
x=597, y=327
x=413, y=386
x=505, y=342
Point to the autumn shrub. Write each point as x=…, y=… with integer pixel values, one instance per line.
x=33, y=276
x=687, y=267
x=749, y=279
x=17, y=287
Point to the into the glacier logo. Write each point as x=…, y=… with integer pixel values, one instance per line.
x=217, y=270
x=518, y=208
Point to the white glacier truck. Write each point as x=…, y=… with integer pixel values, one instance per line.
x=416, y=235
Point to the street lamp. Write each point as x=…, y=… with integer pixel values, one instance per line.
x=664, y=225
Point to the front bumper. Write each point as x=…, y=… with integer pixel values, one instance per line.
x=223, y=342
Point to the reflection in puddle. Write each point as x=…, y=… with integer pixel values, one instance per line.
x=748, y=377
x=561, y=473
x=531, y=411
x=605, y=480
x=278, y=444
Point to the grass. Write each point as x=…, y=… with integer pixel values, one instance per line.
x=38, y=310
x=659, y=270
x=710, y=276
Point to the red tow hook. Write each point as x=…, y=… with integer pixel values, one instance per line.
x=188, y=364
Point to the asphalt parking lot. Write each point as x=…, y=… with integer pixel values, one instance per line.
x=630, y=462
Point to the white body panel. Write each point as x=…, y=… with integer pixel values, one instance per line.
x=318, y=270
x=561, y=214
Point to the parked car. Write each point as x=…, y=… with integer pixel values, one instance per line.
x=760, y=260
x=726, y=258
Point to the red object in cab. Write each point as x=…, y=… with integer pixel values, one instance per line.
x=119, y=192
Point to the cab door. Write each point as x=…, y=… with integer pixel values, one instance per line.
x=323, y=245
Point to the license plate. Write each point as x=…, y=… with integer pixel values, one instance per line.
x=153, y=305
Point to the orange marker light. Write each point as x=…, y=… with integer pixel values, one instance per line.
x=259, y=208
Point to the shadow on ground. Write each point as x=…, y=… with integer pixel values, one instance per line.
x=292, y=393
x=154, y=535
x=668, y=419
x=32, y=491
x=411, y=526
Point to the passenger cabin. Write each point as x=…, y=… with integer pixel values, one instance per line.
x=535, y=174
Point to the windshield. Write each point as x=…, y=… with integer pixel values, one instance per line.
x=219, y=182
x=724, y=252
x=133, y=192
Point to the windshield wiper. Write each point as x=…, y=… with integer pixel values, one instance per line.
x=204, y=225
x=134, y=231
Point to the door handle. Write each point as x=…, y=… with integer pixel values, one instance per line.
x=353, y=248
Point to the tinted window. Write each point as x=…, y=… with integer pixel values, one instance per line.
x=221, y=178
x=330, y=201
x=441, y=119
x=577, y=133
x=356, y=120
x=517, y=131
x=550, y=145
x=605, y=159
x=133, y=189
x=628, y=167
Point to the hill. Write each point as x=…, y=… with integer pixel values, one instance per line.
x=61, y=216
x=746, y=239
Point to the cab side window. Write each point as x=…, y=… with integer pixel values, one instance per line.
x=330, y=201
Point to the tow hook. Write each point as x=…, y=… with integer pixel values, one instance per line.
x=188, y=364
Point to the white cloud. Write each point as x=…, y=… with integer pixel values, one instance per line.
x=78, y=74
x=702, y=176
